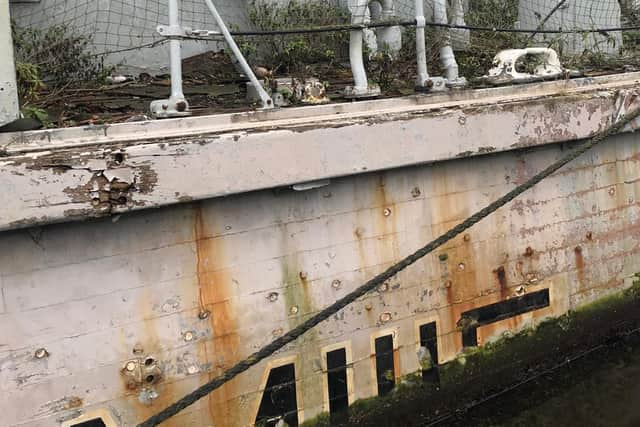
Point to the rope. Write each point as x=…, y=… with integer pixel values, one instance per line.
x=373, y=283
x=356, y=27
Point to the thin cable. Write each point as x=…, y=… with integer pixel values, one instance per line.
x=373, y=283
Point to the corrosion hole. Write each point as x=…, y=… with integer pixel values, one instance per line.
x=118, y=158
x=149, y=361
x=150, y=378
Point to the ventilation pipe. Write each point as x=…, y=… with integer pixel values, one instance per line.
x=361, y=87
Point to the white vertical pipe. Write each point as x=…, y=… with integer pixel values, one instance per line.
x=421, y=53
x=175, y=56
x=355, y=46
x=264, y=96
x=447, y=57
x=9, y=109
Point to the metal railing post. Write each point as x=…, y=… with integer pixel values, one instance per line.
x=266, y=100
x=9, y=108
x=176, y=105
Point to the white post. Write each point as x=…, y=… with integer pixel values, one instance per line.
x=176, y=105
x=422, y=80
x=175, y=54
x=9, y=108
x=361, y=87
x=447, y=57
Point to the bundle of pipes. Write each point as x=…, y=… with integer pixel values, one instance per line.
x=362, y=10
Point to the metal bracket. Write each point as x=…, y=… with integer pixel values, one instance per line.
x=505, y=71
x=172, y=31
x=353, y=92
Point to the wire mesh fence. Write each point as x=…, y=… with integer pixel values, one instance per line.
x=80, y=43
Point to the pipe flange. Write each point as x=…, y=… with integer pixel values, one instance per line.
x=167, y=108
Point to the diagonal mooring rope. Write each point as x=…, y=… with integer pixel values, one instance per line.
x=373, y=283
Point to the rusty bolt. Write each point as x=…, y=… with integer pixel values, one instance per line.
x=304, y=275
x=416, y=192
x=578, y=249
x=520, y=290
x=294, y=309
x=467, y=237
x=95, y=202
x=181, y=106
x=137, y=349
x=165, y=106
x=386, y=212
x=41, y=353
x=461, y=266
x=130, y=366
x=336, y=284
x=612, y=191
x=528, y=252
x=443, y=257
x=368, y=306
x=429, y=83
x=204, y=314
x=188, y=336
x=448, y=284
x=383, y=287
x=589, y=235
x=385, y=317
x=273, y=297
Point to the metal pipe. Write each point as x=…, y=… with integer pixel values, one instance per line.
x=355, y=47
x=447, y=56
x=175, y=56
x=266, y=100
x=9, y=110
x=421, y=51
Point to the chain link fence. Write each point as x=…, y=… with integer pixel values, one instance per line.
x=63, y=44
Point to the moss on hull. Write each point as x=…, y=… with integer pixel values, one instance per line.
x=482, y=372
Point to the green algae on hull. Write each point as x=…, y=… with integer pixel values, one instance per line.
x=482, y=372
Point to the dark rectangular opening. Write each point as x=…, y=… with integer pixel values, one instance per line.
x=429, y=341
x=337, y=379
x=279, y=398
x=385, y=372
x=96, y=422
x=472, y=319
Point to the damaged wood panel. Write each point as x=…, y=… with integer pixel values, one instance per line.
x=93, y=181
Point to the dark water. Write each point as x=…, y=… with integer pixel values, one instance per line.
x=601, y=388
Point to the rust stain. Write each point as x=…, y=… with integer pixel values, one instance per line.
x=501, y=277
x=215, y=298
x=580, y=265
